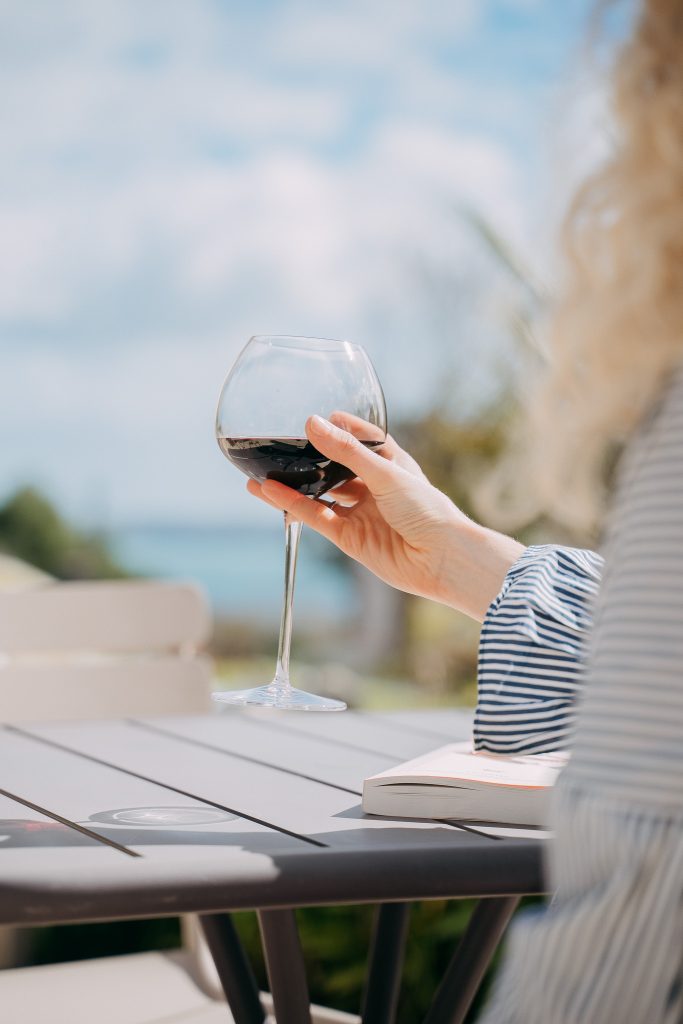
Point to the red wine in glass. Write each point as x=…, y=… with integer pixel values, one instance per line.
x=289, y=460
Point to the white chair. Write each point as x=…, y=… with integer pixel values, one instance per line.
x=140, y=988
x=102, y=650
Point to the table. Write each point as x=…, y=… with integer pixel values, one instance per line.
x=278, y=825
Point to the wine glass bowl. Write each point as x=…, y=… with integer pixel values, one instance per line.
x=275, y=385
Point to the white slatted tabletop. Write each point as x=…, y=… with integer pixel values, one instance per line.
x=276, y=798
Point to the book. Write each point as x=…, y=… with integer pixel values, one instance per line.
x=457, y=782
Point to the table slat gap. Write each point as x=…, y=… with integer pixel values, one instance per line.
x=333, y=740
x=466, y=828
x=169, y=734
x=69, y=824
x=156, y=782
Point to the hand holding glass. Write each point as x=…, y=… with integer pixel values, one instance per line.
x=276, y=384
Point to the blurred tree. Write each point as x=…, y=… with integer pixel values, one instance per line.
x=31, y=529
x=454, y=454
x=439, y=648
x=459, y=439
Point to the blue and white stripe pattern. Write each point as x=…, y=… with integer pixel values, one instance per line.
x=531, y=651
x=610, y=946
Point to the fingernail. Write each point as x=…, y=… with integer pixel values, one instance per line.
x=322, y=425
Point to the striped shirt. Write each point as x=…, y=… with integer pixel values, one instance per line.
x=610, y=946
x=531, y=650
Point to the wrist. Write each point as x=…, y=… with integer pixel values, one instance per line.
x=474, y=568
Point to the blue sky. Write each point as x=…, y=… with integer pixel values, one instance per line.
x=176, y=176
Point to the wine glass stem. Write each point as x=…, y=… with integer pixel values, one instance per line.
x=292, y=535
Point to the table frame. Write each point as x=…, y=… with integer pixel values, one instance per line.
x=495, y=865
x=287, y=973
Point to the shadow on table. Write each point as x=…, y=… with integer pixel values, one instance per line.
x=20, y=832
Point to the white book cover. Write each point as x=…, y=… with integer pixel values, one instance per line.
x=457, y=782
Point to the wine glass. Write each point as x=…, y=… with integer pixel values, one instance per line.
x=276, y=383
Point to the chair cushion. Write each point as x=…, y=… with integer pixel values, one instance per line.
x=139, y=988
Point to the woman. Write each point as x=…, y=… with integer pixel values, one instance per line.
x=610, y=946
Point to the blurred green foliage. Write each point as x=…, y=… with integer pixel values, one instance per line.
x=335, y=941
x=31, y=529
x=454, y=454
x=63, y=943
x=439, y=650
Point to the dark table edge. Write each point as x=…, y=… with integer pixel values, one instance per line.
x=329, y=878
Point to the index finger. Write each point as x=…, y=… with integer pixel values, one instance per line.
x=362, y=429
x=365, y=431
x=379, y=474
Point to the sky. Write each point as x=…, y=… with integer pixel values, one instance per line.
x=177, y=176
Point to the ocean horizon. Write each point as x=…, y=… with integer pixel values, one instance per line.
x=240, y=567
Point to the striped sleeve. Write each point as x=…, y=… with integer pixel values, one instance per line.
x=531, y=651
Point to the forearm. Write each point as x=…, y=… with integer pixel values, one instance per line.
x=473, y=568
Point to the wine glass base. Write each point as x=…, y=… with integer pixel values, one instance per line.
x=278, y=697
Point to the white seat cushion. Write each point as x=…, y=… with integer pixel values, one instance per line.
x=139, y=988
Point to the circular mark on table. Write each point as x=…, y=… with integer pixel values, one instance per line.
x=163, y=816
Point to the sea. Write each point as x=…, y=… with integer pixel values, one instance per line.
x=241, y=569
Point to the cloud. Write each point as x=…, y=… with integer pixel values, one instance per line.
x=356, y=35
x=176, y=177
x=197, y=162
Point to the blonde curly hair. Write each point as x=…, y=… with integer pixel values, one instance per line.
x=616, y=333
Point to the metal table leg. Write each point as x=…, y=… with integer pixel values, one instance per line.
x=470, y=960
x=285, y=964
x=386, y=963
x=234, y=969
